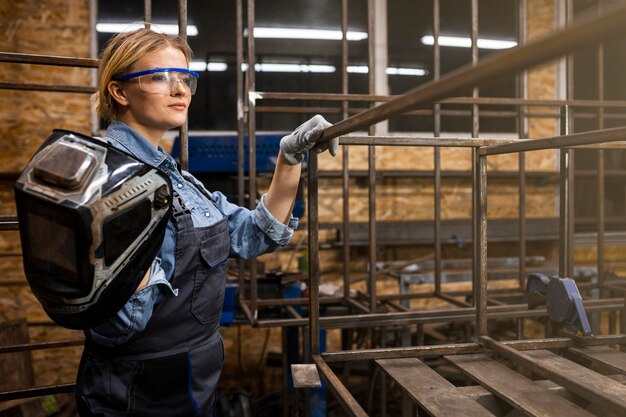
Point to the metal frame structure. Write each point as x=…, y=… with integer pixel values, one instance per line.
x=423, y=100
x=574, y=36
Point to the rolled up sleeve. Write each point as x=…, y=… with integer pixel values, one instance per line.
x=271, y=226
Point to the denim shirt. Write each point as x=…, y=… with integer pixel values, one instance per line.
x=252, y=232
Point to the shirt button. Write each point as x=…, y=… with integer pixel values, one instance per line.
x=179, y=185
x=207, y=214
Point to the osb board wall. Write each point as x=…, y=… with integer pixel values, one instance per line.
x=50, y=27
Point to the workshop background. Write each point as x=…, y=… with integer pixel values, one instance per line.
x=404, y=193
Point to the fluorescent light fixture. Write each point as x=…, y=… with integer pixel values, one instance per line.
x=217, y=66
x=211, y=66
x=290, y=68
x=362, y=69
x=295, y=33
x=168, y=29
x=461, y=42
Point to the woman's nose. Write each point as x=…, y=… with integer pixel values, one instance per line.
x=179, y=88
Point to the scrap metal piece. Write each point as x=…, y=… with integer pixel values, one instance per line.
x=305, y=376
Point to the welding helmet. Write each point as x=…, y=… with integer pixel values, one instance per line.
x=92, y=219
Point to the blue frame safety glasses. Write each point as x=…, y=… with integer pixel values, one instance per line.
x=163, y=80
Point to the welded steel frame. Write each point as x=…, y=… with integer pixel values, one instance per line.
x=415, y=102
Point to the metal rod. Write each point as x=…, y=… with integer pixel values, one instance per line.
x=480, y=244
x=462, y=348
x=241, y=127
x=347, y=401
x=147, y=13
x=345, y=163
x=585, y=32
x=483, y=101
x=252, y=147
x=314, y=268
x=558, y=142
x=53, y=88
x=61, y=61
x=183, y=130
x=522, y=128
x=437, y=151
x=27, y=347
x=37, y=392
x=601, y=165
x=565, y=238
x=371, y=162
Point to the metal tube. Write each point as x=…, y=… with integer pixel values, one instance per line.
x=252, y=147
x=53, y=88
x=147, y=13
x=558, y=142
x=345, y=166
x=344, y=397
x=314, y=269
x=480, y=244
x=241, y=188
x=183, y=130
x=61, y=61
x=601, y=165
x=437, y=151
x=522, y=128
x=371, y=163
x=565, y=194
x=583, y=33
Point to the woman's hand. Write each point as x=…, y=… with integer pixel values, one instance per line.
x=294, y=145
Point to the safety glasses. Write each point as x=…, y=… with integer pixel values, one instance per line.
x=163, y=80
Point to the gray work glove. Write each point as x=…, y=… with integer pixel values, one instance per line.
x=294, y=145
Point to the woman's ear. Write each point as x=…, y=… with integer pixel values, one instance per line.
x=117, y=93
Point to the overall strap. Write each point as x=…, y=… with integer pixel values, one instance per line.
x=180, y=213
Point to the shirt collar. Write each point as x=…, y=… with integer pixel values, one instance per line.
x=140, y=147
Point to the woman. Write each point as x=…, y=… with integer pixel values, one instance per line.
x=162, y=354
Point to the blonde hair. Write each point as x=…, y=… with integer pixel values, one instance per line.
x=118, y=56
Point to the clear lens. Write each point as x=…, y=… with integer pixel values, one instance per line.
x=167, y=82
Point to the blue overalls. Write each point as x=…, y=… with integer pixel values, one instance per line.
x=171, y=368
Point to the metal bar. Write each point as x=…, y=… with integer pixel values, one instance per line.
x=345, y=163
x=61, y=61
x=314, y=268
x=432, y=316
x=241, y=126
x=558, y=142
x=147, y=13
x=486, y=101
x=37, y=392
x=585, y=32
x=480, y=245
x=183, y=130
x=344, y=397
x=601, y=165
x=437, y=151
x=564, y=196
x=522, y=128
x=371, y=162
x=423, y=141
x=53, y=88
x=252, y=146
x=27, y=347
x=9, y=223
x=463, y=348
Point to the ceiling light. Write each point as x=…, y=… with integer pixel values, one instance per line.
x=362, y=69
x=295, y=33
x=211, y=66
x=291, y=68
x=461, y=42
x=168, y=29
